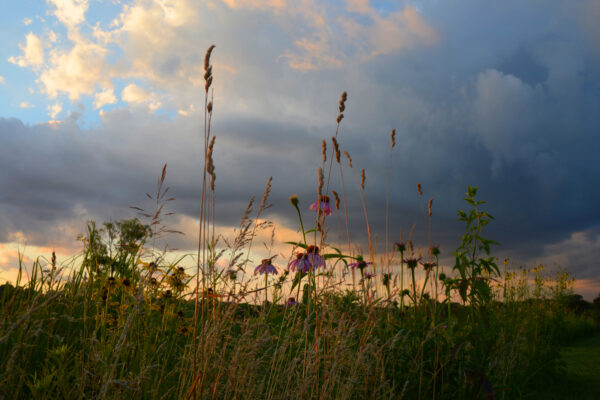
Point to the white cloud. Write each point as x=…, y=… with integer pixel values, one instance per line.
x=70, y=12
x=106, y=96
x=76, y=71
x=33, y=52
x=27, y=21
x=54, y=110
x=25, y=104
x=136, y=95
x=260, y=4
x=2, y=80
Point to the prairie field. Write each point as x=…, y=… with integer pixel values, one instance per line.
x=125, y=320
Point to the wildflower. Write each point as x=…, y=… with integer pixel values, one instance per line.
x=294, y=200
x=111, y=280
x=183, y=329
x=386, y=279
x=126, y=282
x=232, y=275
x=369, y=275
x=360, y=264
x=307, y=261
x=323, y=208
x=313, y=256
x=176, y=282
x=411, y=262
x=291, y=302
x=428, y=266
x=168, y=294
x=153, y=281
x=400, y=246
x=265, y=267
x=435, y=250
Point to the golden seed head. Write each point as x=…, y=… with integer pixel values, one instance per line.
x=336, y=147
x=419, y=189
x=363, y=178
x=393, y=137
x=429, y=206
x=207, y=57
x=337, y=199
x=324, y=150
x=339, y=118
x=263, y=202
x=320, y=181
x=349, y=158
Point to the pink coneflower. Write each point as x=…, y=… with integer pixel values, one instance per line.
x=307, y=261
x=324, y=208
x=265, y=267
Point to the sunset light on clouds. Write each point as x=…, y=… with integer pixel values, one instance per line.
x=96, y=95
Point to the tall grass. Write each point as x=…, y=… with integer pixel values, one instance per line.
x=127, y=323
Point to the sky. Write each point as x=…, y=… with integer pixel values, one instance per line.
x=96, y=95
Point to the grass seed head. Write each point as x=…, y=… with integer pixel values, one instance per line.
x=363, y=178
x=393, y=137
x=320, y=180
x=429, y=206
x=349, y=158
x=337, y=199
x=336, y=147
x=419, y=189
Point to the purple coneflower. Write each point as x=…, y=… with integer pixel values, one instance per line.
x=324, y=208
x=265, y=267
x=360, y=264
x=307, y=261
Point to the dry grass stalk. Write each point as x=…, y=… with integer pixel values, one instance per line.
x=324, y=150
